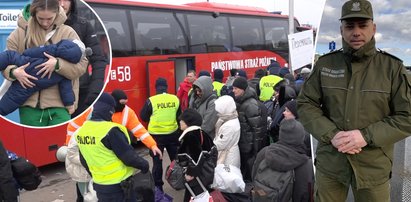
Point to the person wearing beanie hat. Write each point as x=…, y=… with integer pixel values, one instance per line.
x=90, y=86
x=101, y=141
x=286, y=157
x=241, y=73
x=160, y=111
x=265, y=90
x=202, y=99
x=121, y=99
x=290, y=111
x=204, y=73
x=104, y=107
x=291, y=132
x=355, y=150
x=193, y=141
x=283, y=71
x=161, y=85
x=253, y=121
x=218, y=81
x=241, y=83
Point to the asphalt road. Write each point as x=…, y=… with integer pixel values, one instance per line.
x=57, y=185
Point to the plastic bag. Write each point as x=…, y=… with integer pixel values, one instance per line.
x=228, y=179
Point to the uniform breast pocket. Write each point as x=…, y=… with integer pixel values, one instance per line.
x=375, y=100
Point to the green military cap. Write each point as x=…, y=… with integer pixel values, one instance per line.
x=356, y=9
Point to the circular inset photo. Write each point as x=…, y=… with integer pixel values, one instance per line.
x=54, y=66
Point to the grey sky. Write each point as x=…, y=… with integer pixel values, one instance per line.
x=393, y=20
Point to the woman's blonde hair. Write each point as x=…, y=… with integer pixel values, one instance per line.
x=36, y=36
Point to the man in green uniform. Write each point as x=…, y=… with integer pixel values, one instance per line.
x=356, y=103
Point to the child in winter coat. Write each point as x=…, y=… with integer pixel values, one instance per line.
x=16, y=95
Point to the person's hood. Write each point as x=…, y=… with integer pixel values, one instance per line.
x=286, y=94
x=362, y=53
x=72, y=16
x=248, y=93
x=225, y=105
x=281, y=158
x=206, y=85
x=24, y=16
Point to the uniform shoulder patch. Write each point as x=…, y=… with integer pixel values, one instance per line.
x=386, y=53
x=332, y=52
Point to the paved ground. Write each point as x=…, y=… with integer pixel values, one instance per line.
x=57, y=185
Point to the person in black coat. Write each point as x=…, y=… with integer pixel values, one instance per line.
x=289, y=153
x=193, y=141
x=90, y=84
x=8, y=189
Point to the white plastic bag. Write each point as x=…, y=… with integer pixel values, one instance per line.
x=228, y=179
x=91, y=195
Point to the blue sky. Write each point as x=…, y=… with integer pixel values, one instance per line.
x=393, y=27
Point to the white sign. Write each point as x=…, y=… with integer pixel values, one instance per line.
x=301, y=49
x=8, y=18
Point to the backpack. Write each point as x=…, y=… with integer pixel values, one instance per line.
x=272, y=185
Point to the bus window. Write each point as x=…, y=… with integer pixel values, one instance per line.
x=118, y=31
x=276, y=32
x=208, y=34
x=247, y=33
x=157, y=33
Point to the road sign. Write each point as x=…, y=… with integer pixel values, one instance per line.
x=331, y=45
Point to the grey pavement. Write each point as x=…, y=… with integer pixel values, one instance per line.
x=57, y=185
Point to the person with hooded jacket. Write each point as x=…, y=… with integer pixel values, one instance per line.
x=8, y=189
x=202, y=99
x=161, y=112
x=106, y=153
x=289, y=153
x=286, y=93
x=252, y=115
x=227, y=131
x=43, y=108
x=90, y=84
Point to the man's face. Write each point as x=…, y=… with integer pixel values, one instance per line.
x=191, y=77
x=66, y=4
x=198, y=92
x=357, y=31
x=238, y=91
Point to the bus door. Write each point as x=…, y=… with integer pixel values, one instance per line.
x=161, y=68
x=183, y=65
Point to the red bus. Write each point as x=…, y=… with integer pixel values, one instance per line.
x=151, y=40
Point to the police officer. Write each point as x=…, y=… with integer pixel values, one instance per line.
x=106, y=152
x=161, y=112
x=90, y=84
x=265, y=88
x=218, y=81
x=356, y=103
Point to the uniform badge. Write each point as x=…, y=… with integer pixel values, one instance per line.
x=356, y=6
